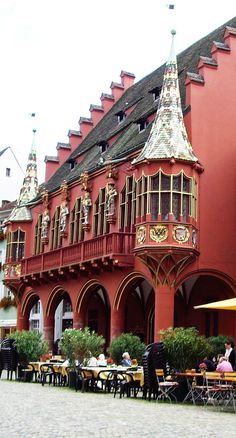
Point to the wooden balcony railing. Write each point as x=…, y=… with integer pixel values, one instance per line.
x=99, y=247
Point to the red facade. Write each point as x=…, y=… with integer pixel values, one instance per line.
x=154, y=239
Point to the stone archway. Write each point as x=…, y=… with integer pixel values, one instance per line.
x=135, y=297
x=200, y=289
x=93, y=308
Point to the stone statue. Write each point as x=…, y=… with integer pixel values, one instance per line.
x=86, y=204
x=45, y=224
x=110, y=202
x=64, y=211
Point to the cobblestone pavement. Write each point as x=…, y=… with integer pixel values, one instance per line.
x=30, y=410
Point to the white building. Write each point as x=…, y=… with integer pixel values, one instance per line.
x=11, y=176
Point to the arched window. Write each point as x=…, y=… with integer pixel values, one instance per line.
x=55, y=230
x=128, y=205
x=172, y=194
x=100, y=224
x=15, y=245
x=76, y=228
x=38, y=246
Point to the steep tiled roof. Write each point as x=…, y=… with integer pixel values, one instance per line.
x=139, y=99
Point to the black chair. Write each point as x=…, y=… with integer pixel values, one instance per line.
x=48, y=375
x=154, y=358
x=8, y=357
x=84, y=380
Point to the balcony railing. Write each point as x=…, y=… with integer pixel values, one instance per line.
x=94, y=249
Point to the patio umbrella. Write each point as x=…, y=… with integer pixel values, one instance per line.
x=221, y=305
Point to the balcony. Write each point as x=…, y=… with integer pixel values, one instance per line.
x=116, y=248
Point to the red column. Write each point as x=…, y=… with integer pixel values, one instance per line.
x=48, y=330
x=78, y=320
x=22, y=320
x=117, y=322
x=164, y=309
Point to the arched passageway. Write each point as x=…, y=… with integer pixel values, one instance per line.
x=200, y=290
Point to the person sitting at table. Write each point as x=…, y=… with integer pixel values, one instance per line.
x=126, y=361
x=209, y=364
x=101, y=360
x=92, y=362
x=224, y=366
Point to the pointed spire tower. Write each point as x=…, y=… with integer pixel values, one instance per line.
x=29, y=188
x=168, y=137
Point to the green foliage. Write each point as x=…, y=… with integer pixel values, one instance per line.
x=80, y=345
x=218, y=344
x=184, y=347
x=29, y=345
x=126, y=342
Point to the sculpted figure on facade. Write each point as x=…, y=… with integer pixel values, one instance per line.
x=64, y=211
x=45, y=224
x=110, y=201
x=86, y=204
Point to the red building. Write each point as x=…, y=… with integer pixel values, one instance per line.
x=135, y=223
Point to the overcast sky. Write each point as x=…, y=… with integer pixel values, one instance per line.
x=57, y=57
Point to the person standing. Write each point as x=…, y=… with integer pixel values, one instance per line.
x=230, y=354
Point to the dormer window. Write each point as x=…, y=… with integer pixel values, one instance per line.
x=103, y=145
x=121, y=116
x=142, y=124
x=72, y=163
x=156, y=93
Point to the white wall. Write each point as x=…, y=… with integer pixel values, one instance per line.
x=10, y=185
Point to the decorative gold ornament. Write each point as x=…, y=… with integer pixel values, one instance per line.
x=158, y=233
x=181, y=233
x=141, y=234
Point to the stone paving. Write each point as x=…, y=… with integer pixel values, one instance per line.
x=30, y=410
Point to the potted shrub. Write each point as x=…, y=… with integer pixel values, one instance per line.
x=79, y=346
x=184, y=350
x=184, y=347
x=126, y=342
x=29, y=345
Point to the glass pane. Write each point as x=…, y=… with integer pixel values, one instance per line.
x=177, y=183
x=165, y=205
x=144, y=184
x=154, y=206
x=176, y=206
x=165, y=182
x=129, y=184
x=155, y=182
x=186, y=184
x=185, y=207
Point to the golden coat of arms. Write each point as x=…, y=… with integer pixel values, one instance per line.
x=158, y=233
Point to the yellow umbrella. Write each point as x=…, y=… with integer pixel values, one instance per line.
x=224, y=305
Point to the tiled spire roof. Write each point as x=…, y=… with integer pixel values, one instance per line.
x=168, y=137
x=29, y=188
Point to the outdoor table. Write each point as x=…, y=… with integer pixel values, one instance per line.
x=138, y=375
x=194, y=391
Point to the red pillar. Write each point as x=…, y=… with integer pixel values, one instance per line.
x=164, y=309
x=22, y=320
x=78, y=320
x=48, y=330
x=117, y=322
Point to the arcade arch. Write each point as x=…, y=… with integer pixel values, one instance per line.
x=201, y=289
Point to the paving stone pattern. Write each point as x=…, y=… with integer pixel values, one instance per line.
x=29, y=410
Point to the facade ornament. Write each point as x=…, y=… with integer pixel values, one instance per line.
x=86, y=201
x=45, y=218
x=111, y=194
x=85, y=183
x=158, y=233
x=86, y=205
x=141, y=234
x=64, y=209
x=181, y=234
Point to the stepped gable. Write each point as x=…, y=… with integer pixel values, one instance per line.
x=139, y=95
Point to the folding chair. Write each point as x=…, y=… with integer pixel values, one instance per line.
x=166, y=387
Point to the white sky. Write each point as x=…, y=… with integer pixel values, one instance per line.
x=57, y=57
